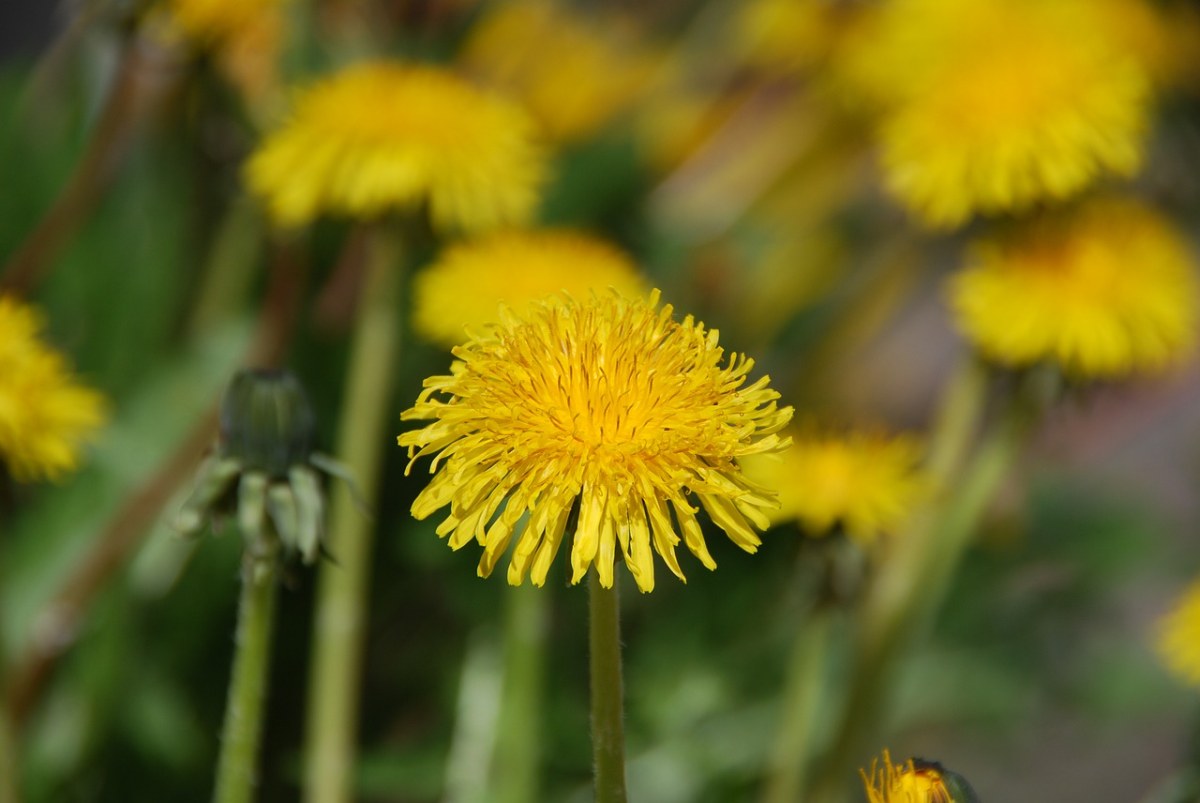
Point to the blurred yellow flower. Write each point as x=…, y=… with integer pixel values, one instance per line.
x=242, y=38
x=996, y=105
x=574, y=75
x=1104, y=291
x=213, y=23
x=906, y=783
x=1179, y=637
x=45, y=415
x=866, y=483
x=380, y=137
x=785, y=35
x=606, y=409
x=470, y=280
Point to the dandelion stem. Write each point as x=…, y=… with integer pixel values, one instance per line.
x=237, y=766
x=608, y=726
x=342, y=587
x=913, y=581
x=804, y=685
x=517, y=753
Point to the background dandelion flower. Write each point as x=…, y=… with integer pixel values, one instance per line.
x=1178, y=640
x=995, y=105
x=467, y=284
x=1104, y=291
x=45, y=415
x=606, y=406
x=573, y=73
x=379, y=137
x=866, y=483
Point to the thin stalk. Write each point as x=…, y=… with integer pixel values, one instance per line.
x=228, y=271
x=957, y=421
x=912, y=582
x=517, y=753
x=237, y=766
x=803, y=690
x=608, y=724
x=9, y=766
x=342, y=586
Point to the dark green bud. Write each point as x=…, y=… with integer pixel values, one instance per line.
x=266, y=422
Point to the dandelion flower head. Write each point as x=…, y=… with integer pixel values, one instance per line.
x=469, y=282
x=906, y=783
x=1104, y=291
x=380, y=137
x=45, y=414
x=1178, y=640
x=867, y=483
x=607, y=411
x=574, y=74
x=994, y=106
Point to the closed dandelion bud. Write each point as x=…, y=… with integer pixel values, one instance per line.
x=266, y=422
x=264, y=469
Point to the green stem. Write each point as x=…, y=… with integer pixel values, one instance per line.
x=517, y=753
x=342, y=586
x=237, y=766
x=608, y=725
x=957, y=421
x=909, y=589
x=228, y=270
x=804, y=687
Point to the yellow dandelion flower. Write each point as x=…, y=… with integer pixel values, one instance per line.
x=379, y=137
x=574, y=75
x=866, y=483
x=1178, y=640
x=607, y=411
x=997, y=105
x=45, y=415
x=1104, y=291
x=469, y=282
x=912, y=782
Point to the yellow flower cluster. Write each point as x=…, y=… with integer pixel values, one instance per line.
x=45, y=415
x=1103, y=291
x=607, y=410
x=380, y=137
x=469, y=282
x=997, y=105
x=1179, y=637
x=866, y=483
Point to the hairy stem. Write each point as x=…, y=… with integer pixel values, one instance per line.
x=237, y=766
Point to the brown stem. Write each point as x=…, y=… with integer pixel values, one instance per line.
x=59, y=623
x=110, y=137
x=124, y=532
